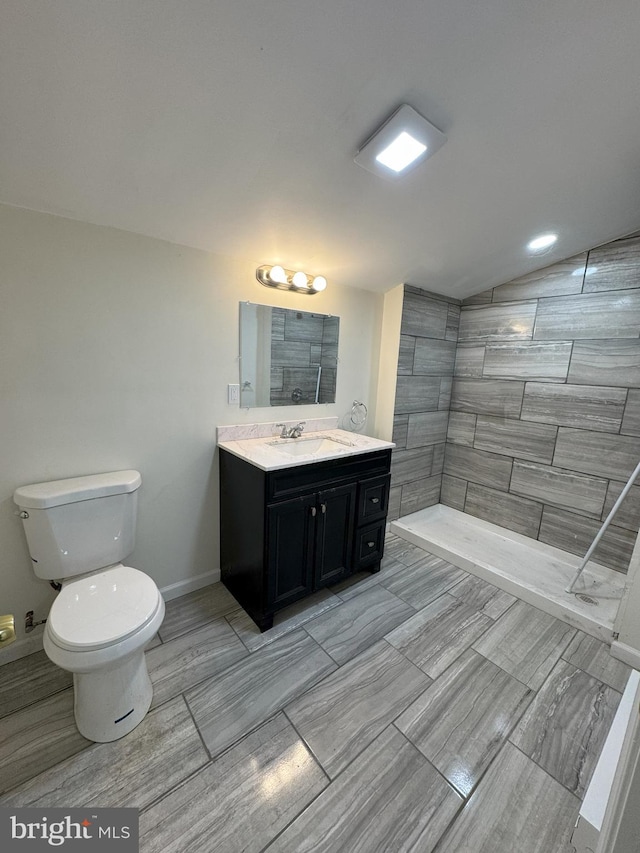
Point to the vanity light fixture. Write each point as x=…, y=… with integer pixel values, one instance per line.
x=404, y=140
x=296, y=280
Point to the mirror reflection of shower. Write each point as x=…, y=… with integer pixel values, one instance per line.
x=287, y=356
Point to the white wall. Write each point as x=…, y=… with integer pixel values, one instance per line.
x=115, y=352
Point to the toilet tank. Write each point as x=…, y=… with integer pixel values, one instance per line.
x=81, y=524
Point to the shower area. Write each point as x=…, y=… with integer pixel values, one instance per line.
x=517, y=428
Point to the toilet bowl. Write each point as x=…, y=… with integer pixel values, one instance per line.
x=78, y=530
x=97, y=629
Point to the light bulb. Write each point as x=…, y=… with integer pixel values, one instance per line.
x=299, y=280
x=278, y=275
x=319, y=283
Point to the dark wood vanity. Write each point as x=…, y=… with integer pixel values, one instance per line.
x=288, y=532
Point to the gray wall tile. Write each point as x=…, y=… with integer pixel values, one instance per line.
x=433, y=358
x=609, y=456
x=408, y=465
x=487, y=469
x=423, y=317
x=558, y=280
x=504, y=509
x=615, y=266
x=544, y=361
x=469, y=360
x=628, y=513
x=395, y=497
x=427, y=428
x=400, y=429
x=462, y=428
x=631, y=419
x=613, y=362
x=444, y=397
x=479, y=298
x=559, y=486
x=589, y=315
x=405, y=355
x=515, y=438
x=438, y=458
x=417, y=394
x=575, y=533
x=453, y=322
x=582, y=406
x=497, y=322
x=487, y=396
x=453, y=492
x=420, y=494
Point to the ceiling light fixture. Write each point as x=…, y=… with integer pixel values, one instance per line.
x=404, y=140
x=296, y=280
x=544, y=241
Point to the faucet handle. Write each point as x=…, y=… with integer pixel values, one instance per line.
x=284, y=433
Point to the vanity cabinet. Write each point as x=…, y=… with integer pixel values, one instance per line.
x=288, y=532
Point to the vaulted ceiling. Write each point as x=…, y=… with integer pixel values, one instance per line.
x=231, y=126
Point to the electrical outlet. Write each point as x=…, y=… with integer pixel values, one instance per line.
x=233, y=394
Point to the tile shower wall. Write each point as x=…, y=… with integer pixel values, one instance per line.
x=428, y=335
x=544, y=427
x=301, y=345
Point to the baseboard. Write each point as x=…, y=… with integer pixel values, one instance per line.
x=175, y=590
x=23, y=647
x=627, y=654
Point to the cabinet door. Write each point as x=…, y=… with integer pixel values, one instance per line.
x=291, y=526
x=334, y=534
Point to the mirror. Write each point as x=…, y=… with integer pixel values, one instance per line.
x=287, y=357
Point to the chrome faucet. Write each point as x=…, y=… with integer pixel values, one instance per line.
x=292, y=432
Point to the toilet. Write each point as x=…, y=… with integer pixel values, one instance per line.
x=78, y=532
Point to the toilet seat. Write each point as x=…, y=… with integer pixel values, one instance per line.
x=98, y=610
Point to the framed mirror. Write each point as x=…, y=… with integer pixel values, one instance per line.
x=287, y=357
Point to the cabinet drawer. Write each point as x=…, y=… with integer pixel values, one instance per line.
x=287, y=482
x=369, y=545
x=373, y=498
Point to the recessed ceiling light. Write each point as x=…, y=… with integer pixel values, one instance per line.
x=403, y=141
x=544, y=241
x=402, y=152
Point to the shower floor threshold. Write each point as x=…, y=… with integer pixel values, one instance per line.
x=535, y=572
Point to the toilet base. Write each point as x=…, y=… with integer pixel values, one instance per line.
x=111, y=702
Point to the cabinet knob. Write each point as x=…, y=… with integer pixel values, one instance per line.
x=313, y=511
x=371, y=544
x=323, y=507
x=375, y=500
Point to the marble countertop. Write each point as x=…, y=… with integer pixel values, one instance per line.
x=271, y=453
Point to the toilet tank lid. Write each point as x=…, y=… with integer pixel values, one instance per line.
x=58, y=492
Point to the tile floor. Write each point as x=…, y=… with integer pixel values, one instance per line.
x=418, y=709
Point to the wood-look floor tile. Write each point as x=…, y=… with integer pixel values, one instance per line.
x=133, y=771
x=424, y=581
x=195, y=609
x=38, y=737
x=516, y=807
x=593, y=657
x=284, y=621
x=246, y=694
x=346, y=711
x=389, y=799
x=484, y=596
x=362, y=581
x=460, y=722
x=29, y=679
x=438, y=634
x=238, y=803
x=358, y=623
x=399, y=550
x=526, y=643
x=181, y=663
x=565, y=728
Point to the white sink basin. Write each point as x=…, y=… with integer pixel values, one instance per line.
x=307, y=445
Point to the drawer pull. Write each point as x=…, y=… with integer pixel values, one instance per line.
x=371, y=544
x=375, y=500
x=313, y=511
